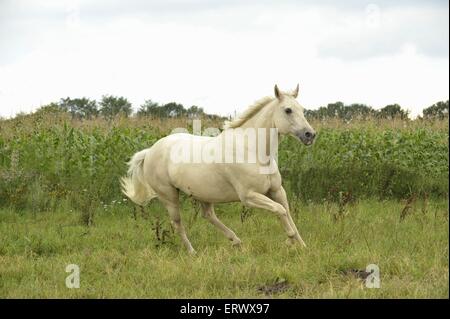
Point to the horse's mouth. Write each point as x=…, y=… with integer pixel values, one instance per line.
x=304, y=138
x=305, y=141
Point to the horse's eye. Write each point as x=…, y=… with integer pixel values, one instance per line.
x=288, y=111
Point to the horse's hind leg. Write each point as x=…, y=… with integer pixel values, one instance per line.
x=171, y=201
x=210, y=215
x=175, y=217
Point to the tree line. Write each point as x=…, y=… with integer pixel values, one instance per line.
x=438, y=110
x=110, y=106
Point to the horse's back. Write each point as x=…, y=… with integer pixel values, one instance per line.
x=173, y=161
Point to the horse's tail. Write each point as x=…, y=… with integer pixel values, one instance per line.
x=134, y=185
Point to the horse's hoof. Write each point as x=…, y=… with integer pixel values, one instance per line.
x=295, y=242
x=301, y=242
x=236, y=243
x=291, y=241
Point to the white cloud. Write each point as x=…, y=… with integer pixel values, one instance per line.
x=377, y=31
x=224, y=57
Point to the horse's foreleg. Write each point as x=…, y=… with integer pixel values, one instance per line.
x=280, y=197
x=210, y=215
x=257, y=200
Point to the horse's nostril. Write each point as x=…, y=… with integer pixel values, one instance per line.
x=308, y=135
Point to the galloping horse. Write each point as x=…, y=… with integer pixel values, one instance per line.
x=157, y=172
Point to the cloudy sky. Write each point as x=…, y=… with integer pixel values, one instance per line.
x=222, y=55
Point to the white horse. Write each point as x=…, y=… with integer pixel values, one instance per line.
x=153, y=172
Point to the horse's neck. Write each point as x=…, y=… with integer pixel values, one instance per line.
x=263, y=119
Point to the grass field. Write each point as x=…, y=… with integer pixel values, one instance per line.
x=120, y=254
x=367, y=192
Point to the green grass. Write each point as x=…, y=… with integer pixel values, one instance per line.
x=119, y=255
x=60, y=204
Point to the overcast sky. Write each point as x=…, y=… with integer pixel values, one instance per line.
x=223, y=55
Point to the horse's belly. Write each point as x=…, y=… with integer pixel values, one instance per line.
x=203, y=182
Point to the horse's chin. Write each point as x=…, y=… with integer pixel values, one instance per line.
x=303, y=141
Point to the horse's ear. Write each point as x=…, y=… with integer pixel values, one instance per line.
x=277, y=92
x=295, y=92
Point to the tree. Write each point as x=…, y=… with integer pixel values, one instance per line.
x=360, y=111
x=111, y=106
x=332, y=110
x=81, y=108
x=149, y=108
x=335, y=110
x=438, y=110
x=195, y=111
x=173, y=109
x=49, y=109
x=355, y=111
x=392, y=111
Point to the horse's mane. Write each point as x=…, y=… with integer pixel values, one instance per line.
x=248, y=113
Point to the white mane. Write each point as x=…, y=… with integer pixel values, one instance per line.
x=248, y=113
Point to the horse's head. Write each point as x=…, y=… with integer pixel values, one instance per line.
x=288, y=117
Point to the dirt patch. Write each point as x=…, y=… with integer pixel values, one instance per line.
x=275, y=288
x=358, y=273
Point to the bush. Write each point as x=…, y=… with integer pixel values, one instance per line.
x=45, y=159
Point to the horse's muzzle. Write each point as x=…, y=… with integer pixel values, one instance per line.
x=307, y=137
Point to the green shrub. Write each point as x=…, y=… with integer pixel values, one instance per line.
x=43, y=162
